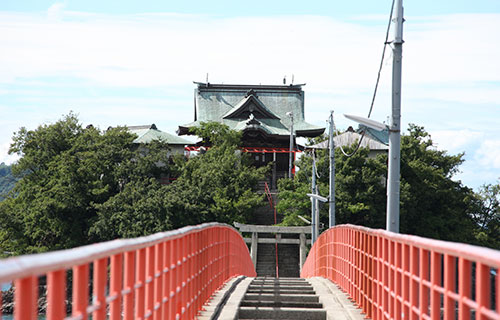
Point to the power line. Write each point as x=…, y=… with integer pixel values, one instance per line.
x=382, y=59
x=376, y=85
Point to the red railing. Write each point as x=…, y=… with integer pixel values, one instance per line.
x=394, y=276
x=169, y=275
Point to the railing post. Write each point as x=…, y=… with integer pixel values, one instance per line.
x=464, y=288
x=56, y=294
x=414, y=273
x=150, y=265
x=26, y=298
x=80, y=291
x=385, y=277
x=165, y=299
x=398, y=309
x=380, y=278
x=371, y=277
x=449, y=287
x=100, y=281
x=173, y=279
x=115, y=306
x=392, y=278
x=406, y=281
x=181, y=302
x=128, y=286
x=436, y=268
x=158, y=282
x=424, y=277
x=482, y=290
x=140, y=277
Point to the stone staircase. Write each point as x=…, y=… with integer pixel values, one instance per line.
x=288, y=254
x=264, y=215
x=288, y=260
x=283, y=298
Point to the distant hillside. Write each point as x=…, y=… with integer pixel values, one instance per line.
x=7, y=180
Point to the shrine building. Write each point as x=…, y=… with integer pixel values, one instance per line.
x=262, y=112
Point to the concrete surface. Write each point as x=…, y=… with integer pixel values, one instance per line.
x=337, y=304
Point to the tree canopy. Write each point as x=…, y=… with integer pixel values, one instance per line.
x=81, y=185
x=7, y=180
x=67, y=175
x=78, y=185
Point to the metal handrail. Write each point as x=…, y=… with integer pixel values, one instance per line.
x=395, y=276
x=169, y=274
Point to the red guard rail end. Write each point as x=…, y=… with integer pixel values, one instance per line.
x=394, y=276
x=169, y=275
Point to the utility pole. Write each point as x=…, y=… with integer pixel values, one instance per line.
x=314, y=203
x=290, y=162
x=331, y=197
x=393, y=185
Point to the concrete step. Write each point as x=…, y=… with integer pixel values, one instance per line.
x=280, y=287
x=280, y=304
x=280, y=283
x=281, y=291
x=281, y=313
x=282, y=297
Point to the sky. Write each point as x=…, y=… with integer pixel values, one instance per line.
x=133, y=63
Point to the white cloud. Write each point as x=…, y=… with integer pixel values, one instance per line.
x=4, y=156
x=488, y=154
x=160, y=50
x=447, y=59
x=456, y=141
x=55, y=11
x=452, y=48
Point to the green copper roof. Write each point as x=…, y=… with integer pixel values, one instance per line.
x=252, y=107
x=148, y=133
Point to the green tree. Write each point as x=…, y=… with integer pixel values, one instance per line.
x=67, y=173
x=359, y=189
x=487, y=217
x=216, y=185
x=138, y=208
x=432, y=204
x=7, y=180
x=81, y=185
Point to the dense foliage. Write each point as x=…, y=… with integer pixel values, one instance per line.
x=432, y=204
x=82, y=185
x=217, y=185
x=7, y=180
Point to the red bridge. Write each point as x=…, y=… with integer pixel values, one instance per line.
x=176, y=275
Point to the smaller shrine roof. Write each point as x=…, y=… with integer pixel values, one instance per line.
x=148, y=133
x=348, y=138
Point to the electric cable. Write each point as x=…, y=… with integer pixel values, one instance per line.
x=376, y=86
x=382, y=59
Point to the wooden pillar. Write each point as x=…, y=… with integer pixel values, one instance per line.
x=302, y=250
x=253, y=248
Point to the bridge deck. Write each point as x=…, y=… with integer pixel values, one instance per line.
x=227, y=302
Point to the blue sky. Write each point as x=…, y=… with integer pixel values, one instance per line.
x=130, y=62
